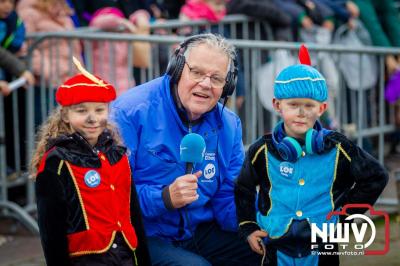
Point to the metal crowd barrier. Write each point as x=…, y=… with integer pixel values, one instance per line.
x=231, y=26
x=257, y=120
x=351, y=106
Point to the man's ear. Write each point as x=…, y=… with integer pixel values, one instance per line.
x=322, y=108
x=277, y=105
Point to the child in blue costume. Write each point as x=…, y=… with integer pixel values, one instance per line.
x=12, y=29
x=303, y=172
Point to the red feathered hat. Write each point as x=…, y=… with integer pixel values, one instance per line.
x=84, y=87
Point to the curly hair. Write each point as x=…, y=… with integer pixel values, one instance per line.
x=53, y=127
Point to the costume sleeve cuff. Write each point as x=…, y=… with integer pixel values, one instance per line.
x=246, y=228
x=167, y=198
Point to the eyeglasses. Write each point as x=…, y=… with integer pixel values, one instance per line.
x=198, y=76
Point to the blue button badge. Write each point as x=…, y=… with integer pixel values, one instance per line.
x=92, y=179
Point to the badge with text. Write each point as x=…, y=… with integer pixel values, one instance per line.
x=286, y=169
x=209, y=172
x=92, y=178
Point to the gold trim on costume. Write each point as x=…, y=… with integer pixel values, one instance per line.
x=84, y=84
x=247, y=222
x=256, y=155
x=79, y=196
x=344, y=153
x=127, y=242
x=339, y=148
x=267, y=171
x=60, y=166
x=287, y=228
x=87, y=252
x=134, y=254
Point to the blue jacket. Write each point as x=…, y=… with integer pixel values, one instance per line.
x=152, y=130
x=12, y=32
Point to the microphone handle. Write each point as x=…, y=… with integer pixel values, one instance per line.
x=189, y=167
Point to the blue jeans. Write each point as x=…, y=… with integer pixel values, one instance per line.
x=209, y=246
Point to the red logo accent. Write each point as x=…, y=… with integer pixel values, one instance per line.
x=373, y=212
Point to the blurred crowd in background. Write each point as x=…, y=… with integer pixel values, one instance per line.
x=312, y=21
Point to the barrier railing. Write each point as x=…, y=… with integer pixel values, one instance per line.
x=232, y=26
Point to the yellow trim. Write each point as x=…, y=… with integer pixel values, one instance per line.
x=287, y=228
x=87, y=252
x=130, y=218
x=256, y=155
x=85, y=72
x=60, y=166
x=344, y=152
x=270, y=182
x=79, y=195
x=85, y=84
x=247, y=222
x=334, y=175
x=130, y=187
x=127, y=242
x=134, y=255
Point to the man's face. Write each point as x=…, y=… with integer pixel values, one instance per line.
x=299, y=114
x=197, y=94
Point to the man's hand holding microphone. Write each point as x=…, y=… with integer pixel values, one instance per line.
x=183, y=190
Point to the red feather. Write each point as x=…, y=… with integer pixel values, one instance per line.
x=304, y=56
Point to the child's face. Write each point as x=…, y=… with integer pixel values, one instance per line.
x=299, y=114
x=89, y=119
x=6, y=6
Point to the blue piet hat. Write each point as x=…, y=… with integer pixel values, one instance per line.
x=301, y=81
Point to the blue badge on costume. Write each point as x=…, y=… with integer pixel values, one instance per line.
x=286, y=169
x=92, y=178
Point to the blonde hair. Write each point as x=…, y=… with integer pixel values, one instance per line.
x=54, y=127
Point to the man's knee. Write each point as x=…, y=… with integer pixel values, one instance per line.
x=180, y=259
x=165, y=253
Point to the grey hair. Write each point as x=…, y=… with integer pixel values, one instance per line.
x=215, y=41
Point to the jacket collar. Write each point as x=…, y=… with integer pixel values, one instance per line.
x=75, y=149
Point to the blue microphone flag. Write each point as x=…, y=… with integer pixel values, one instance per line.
x=192, y=148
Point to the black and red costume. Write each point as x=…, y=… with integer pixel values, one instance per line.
x=87, y=202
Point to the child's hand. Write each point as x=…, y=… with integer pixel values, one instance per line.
x=30, y=79
x=128, y=26
x=255, y=241
x=4, y=89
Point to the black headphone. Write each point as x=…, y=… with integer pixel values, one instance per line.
x=177, y=62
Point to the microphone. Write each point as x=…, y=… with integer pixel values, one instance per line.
x=192, y=149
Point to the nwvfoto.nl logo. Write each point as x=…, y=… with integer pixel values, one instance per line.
x=339, y=233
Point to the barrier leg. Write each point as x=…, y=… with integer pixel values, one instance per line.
x=21, y=215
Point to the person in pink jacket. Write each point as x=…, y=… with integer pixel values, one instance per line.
x=119, y=71
x=51, y=59
x=211, y=10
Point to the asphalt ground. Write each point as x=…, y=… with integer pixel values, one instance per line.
x=18, y=247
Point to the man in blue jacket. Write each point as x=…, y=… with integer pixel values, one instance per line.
x=190, y=219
